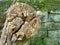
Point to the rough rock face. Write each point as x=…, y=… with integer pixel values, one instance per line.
x=22, y=21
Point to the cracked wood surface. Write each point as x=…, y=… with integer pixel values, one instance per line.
x=21, y=22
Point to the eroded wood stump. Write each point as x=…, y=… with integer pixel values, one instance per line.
x=21, y=24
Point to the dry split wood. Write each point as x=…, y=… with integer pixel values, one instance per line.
x=21, y=22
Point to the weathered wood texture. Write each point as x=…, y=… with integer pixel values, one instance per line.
x=21, y=24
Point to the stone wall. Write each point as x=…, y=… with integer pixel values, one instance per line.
x=50, y=29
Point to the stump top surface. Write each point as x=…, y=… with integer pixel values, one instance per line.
x=29, y=22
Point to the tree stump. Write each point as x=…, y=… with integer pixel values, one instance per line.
x=21, y=24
